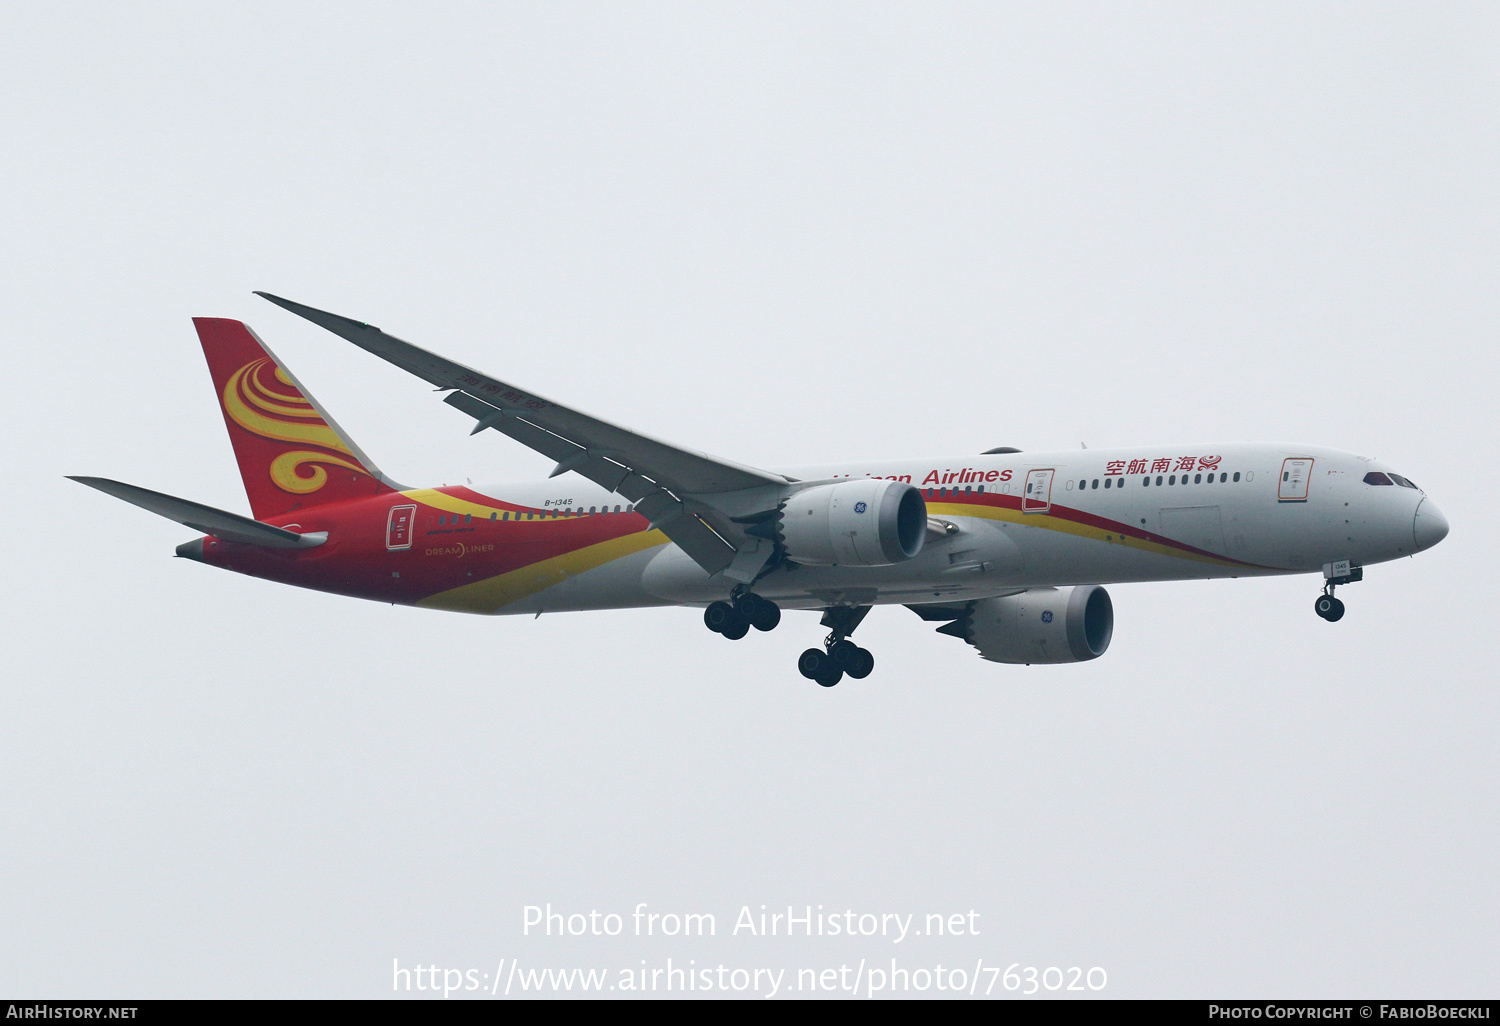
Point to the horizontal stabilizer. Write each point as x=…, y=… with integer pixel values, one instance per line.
x=217, y=522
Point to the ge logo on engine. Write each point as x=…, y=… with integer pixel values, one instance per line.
x=860, y=507
x=1046, y=616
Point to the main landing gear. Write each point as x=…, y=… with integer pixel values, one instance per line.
x=734, y=619
x=839, y=655
x=837, y=658
x=1334, y=574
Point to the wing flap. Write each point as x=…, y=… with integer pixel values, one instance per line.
x=661, y=506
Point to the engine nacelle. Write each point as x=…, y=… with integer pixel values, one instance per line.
x=864, y=522
x=1043, y=625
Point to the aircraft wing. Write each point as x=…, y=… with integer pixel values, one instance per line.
x=678, y=489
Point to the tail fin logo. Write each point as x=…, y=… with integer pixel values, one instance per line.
x=260, y=398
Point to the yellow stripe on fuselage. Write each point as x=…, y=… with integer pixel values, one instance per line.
x=494, y=593
x=448, y=503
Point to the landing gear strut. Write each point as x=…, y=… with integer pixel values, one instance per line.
x=839, y=655
x=734, y=618
x=1334, y=574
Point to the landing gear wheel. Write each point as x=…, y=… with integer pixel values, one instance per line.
x=760, y=613
x=765, y=616
x=811, y=663
x=840, y=656
x=815, y=664
x=863, y=665
x=736, y=629
x=1329, y=608
x=718, y=615
x=845, y=654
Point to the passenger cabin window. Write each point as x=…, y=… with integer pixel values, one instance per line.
x=1375, y=477
x=1236, y=475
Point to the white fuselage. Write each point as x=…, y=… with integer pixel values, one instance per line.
x=1175, y=512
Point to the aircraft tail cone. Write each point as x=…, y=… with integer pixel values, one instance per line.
x=191, y=549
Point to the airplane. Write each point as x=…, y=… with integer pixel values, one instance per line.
x=1007, y=550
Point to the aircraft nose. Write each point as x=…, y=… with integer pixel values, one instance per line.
x=1429, y=526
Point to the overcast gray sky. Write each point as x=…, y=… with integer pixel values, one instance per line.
x=783, y=234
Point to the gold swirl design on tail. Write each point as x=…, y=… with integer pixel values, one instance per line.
x=262, y=408
x=244, y=389
x=284, y=471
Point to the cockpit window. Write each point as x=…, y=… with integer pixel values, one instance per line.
x=1403, y=482
x=1375, y=477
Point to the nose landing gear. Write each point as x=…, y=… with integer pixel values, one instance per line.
x=839, y=655
x=1334, y=574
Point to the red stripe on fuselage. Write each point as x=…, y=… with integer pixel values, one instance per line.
x=1078, y=516
x=355, y=561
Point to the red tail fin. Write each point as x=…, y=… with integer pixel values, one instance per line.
x=291, y=454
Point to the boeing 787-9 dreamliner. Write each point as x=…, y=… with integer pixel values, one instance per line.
x=1007, y=550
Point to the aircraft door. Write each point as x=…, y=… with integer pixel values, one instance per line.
x=398, y=527
x=1296, y=474
x=1037, y=498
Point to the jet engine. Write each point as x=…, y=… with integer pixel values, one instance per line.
x=1042, y=625
x=863, y=522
